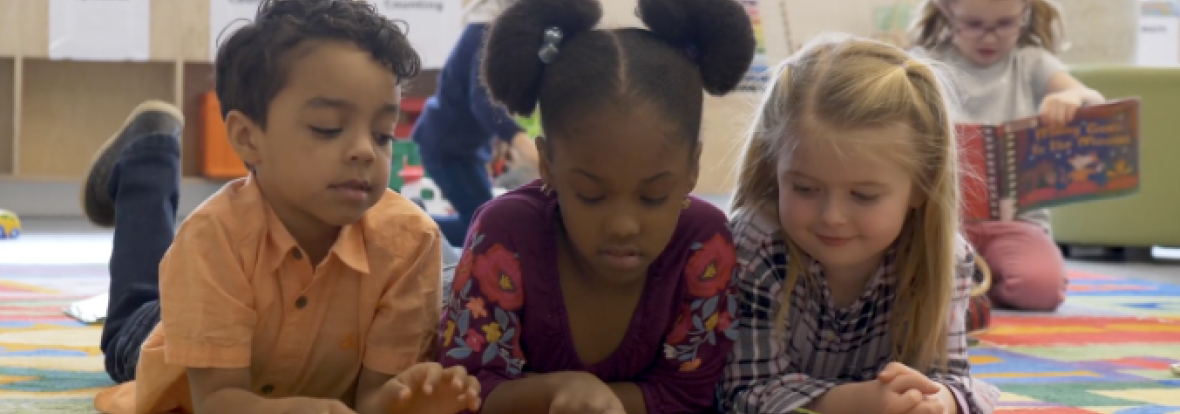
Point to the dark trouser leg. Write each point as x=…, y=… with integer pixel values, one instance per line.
x=143, y=187
x=467, y=186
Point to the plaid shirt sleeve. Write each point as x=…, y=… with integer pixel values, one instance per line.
x=973, y=395
x=760, y=376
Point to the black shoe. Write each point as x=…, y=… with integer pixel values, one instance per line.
x=149, y=118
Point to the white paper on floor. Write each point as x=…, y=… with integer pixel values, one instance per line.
x=56, y=249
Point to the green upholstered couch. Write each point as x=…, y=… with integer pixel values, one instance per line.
x=1152, y=216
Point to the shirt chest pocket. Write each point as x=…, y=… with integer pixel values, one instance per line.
x=338, y=341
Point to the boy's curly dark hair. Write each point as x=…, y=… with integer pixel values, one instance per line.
x=252, y=64
x=690, y=45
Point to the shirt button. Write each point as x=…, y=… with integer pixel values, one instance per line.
x=267, y=389
x=298, y=254
x=301, y=302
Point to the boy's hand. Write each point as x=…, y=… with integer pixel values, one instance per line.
x=907, y=391
x=1059, y=108
x=428, y=388
x=304, y=405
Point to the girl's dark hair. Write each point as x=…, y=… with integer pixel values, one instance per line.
x=252, y=65
x=690, y=45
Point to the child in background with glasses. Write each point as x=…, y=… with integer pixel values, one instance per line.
x=1003, y=52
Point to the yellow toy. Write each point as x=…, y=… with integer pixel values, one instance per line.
x=9, y=225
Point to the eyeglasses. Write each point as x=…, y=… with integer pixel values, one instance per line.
x=977, y=30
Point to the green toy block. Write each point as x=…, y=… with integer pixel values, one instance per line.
x=405, y=152
x=531, y=124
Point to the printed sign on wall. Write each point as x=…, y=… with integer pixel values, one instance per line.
x=1159, y=33
x=434, y=26
x=108, y=30
x=225, y=16
x=759, y=73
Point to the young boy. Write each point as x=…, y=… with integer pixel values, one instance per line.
x=307, y=286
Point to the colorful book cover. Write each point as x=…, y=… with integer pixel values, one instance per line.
x=1018, y=166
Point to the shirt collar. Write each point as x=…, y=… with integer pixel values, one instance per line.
x=349, y=247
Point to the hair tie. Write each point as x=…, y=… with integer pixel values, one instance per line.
x=549, y=41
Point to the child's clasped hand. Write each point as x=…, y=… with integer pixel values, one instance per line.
x=907, y=391
x=582, y=393
x=428, y=388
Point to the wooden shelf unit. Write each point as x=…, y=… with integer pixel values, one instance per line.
x=54, y=114
x=68, y=109
x=8, y=105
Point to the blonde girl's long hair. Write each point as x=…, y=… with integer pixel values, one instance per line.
x=1044, y=25
x=841, y=82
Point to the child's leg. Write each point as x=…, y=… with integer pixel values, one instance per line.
x=134, y=186
x=1028, y=271
x=467, y=186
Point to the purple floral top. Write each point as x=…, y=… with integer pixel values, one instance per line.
x=505, y=316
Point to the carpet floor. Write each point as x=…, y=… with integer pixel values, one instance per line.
x=1107, y=351
x=49, y=363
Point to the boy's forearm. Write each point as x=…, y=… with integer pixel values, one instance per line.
x=370, y=403
x=369, y=396
x=227, y=400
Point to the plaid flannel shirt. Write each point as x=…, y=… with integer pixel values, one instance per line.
x=771, y=372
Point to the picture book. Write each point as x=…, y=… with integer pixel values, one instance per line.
x=1023, y=165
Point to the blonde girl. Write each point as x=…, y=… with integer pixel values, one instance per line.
x=852, y=278
x=1002, y=52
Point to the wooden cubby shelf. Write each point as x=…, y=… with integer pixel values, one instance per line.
x=54, y=114
x=69, y=108
x=8, y=103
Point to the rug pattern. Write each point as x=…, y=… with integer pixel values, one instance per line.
x=1107, y=352
x=49, y=363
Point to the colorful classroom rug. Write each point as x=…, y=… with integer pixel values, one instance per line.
x=49, y=363
x=1107, y=352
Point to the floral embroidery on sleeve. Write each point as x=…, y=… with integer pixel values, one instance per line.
x=482, y=328
x=710, y=305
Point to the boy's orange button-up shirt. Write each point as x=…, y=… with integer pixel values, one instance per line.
x=237, y=292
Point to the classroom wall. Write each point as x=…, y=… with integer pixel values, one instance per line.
x=38, y=176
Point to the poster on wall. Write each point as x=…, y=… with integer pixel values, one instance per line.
x=434, y=26
x=224, y=17
x=111, y=30
x=1159, y=33
x=759, y=74
x=891, y=23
